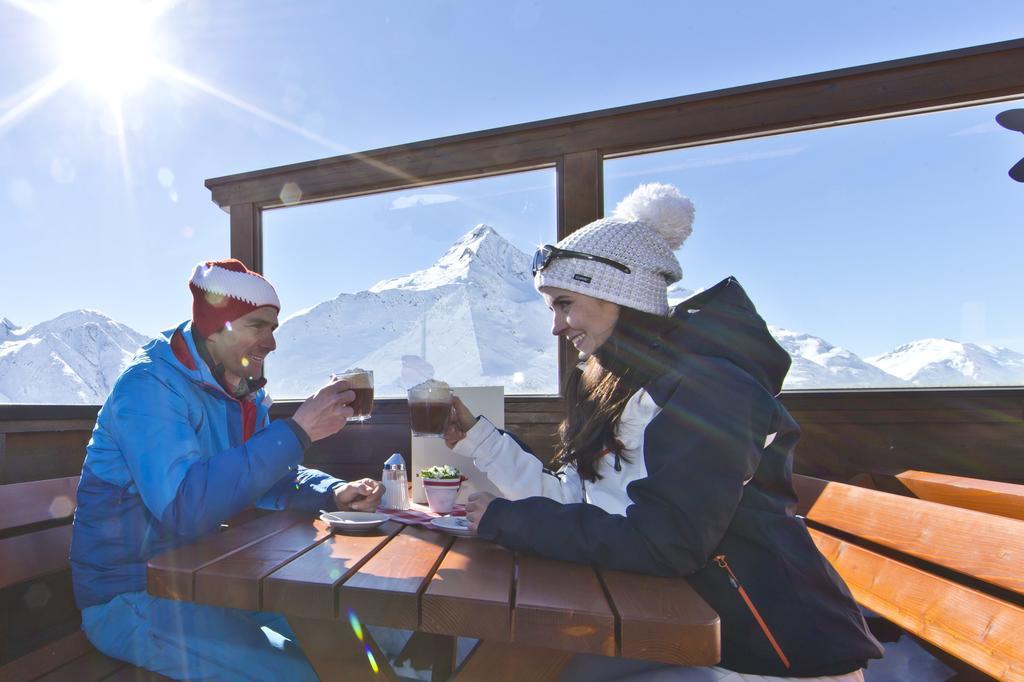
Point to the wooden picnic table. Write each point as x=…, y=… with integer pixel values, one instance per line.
x=530, y=614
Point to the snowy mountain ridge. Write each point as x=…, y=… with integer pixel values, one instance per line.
x=471, y=318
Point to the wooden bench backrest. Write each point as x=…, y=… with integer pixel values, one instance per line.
x=991, y=497
x=982, y=629
x=35, y=553
x=984, y=546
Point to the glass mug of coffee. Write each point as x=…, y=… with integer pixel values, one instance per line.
x=430, y=403
x=361, y=383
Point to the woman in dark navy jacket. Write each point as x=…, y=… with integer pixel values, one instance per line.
x=676, y=455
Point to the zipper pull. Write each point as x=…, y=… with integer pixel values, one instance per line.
x=720, y=561
x=723, y=564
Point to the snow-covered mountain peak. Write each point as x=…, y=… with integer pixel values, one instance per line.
x=7, y=328
x=73, y=358
x=944, y=362
x=74, y=319
x=819, y=364
x=481, y=255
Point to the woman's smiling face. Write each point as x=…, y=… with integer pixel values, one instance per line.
x=585, y=321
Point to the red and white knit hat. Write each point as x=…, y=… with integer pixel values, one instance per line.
x=223, y=291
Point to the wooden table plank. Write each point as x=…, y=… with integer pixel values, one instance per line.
x=470, y=593
x=306, y=585
x=386, y=589
x=234, y=581
x=170, y=574
x=563, y=606
x=662, y=619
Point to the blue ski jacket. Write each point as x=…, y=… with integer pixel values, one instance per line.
x=172, y=456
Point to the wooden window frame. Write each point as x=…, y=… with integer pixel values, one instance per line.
x=577, y=146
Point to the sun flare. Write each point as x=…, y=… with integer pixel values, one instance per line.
x=106, y=46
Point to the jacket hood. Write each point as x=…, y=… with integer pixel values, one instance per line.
x=722, y=322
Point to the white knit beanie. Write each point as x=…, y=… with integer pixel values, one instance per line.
x=642, y=233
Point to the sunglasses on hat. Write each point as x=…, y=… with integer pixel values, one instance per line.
x=547, y=253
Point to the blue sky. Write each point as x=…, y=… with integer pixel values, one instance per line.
x=869, y=235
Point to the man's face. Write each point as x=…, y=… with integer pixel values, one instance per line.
x=243, y=345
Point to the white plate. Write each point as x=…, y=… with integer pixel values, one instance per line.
x=353, y=522
x=456, y=525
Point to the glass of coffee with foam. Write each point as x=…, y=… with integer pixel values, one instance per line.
x=430, y=403
x=360, y=381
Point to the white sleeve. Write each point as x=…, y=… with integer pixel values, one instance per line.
x=517, y=473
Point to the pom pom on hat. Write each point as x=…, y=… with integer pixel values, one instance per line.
x=225, y=290
x=662, y=208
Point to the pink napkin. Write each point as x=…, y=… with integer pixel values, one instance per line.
x=419, y=514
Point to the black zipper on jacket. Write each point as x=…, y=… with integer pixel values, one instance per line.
x=734, y=581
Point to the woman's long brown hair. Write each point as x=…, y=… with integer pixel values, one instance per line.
x=596, y=393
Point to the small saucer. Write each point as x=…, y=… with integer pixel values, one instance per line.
x=353, y=522
x=456, y=525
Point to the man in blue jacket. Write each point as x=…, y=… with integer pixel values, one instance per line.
x=183, y=443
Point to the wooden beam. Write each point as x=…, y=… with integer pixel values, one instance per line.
x=975, y=75
x=247, y=235
x=580, y=200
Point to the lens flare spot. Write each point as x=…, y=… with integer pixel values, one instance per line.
x=216, y=300
x=290, y=193
x=37, y=596
x=245, y=361
x=334, y=574
x=227, y=325
x=518, y=378
x=165, y=176
x=372, y=660
x=357, y=627
x=61, y=506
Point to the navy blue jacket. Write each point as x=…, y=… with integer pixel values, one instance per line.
x=714, y=488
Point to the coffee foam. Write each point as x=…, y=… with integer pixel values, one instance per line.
x=430, y=385
x=356, y=378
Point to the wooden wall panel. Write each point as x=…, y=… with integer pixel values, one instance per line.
x=36, y=455
x=980, y=435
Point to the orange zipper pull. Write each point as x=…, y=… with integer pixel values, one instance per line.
x=721, y=562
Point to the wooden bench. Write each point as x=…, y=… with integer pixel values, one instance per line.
x=991, y=497
x=35, y=536
x=950, y=576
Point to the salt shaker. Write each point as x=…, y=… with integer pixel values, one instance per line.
x=396, y=483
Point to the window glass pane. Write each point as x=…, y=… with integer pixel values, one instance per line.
x=410, y=284
x=882, y=254
x=78, y=299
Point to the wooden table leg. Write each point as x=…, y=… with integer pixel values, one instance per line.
x=491, y=661
x=426, y=649
x=336, y=653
